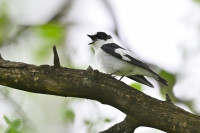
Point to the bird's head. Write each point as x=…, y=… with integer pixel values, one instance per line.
x=99, y=37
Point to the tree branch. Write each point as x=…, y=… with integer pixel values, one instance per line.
x=141, y=109
x=56, y=57
x=128, y=125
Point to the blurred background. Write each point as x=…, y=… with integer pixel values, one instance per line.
x=163, y=33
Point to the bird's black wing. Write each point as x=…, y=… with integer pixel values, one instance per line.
x=110, y=48
x=141, y=79
x=143, y=65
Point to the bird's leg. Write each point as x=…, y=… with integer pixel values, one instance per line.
x=121, y=77
x=114, y=73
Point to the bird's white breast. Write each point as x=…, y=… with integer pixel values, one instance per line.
x=110, y=64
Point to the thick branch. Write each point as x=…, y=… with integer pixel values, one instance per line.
x=90, y=84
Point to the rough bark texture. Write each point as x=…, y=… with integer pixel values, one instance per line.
x=141, y=109
x=128, y=125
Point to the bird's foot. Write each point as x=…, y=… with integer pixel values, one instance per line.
x=116, y=76
x=121, y=77
x=114, y=73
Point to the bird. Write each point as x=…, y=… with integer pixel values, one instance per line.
x=116, y=60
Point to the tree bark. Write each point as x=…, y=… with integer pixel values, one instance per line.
x=141, y=109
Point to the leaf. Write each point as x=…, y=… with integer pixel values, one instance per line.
x=14, y=126
x=137, y=86
x=52, y=33
x=69, y=115
x=107, y=120
x=198, y=1
x=7, y=120
x=87, y=122
x=5, y=23
x=16, y=123
x=171, y=80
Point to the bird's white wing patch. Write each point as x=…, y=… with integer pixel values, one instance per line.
x=123, y=52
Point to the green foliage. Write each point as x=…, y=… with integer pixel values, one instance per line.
x=171, y=79
x=52, y=33
x=99, y=121
x=5, y=25
x=137, y=86
x=52, y=30
x=15, y=126
x=90, y=124
x=197, y=1
x=69, y=115
x=107, y=120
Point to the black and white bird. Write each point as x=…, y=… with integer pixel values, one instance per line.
x=116, y=60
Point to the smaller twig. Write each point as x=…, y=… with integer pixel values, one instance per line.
x=90, y=68
x=168, y=99
x=128, y=125
x=1, y=57
x=56, y=58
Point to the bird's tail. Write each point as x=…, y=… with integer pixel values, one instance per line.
x=162, y=81
x=141, y=79
x=159, y=79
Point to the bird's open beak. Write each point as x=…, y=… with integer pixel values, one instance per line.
x=93, y=39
